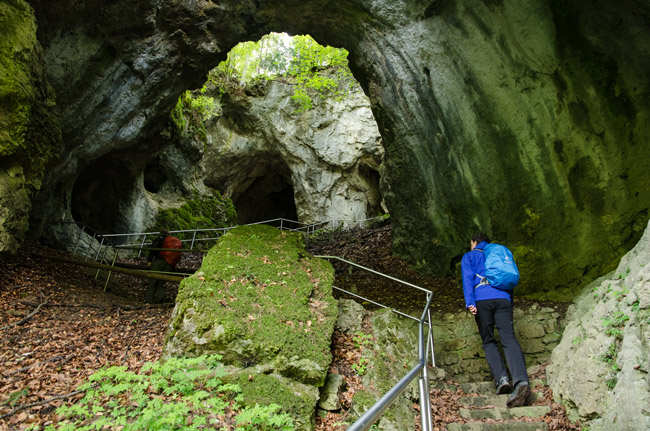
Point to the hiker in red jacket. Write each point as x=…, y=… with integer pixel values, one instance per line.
x=162, y=261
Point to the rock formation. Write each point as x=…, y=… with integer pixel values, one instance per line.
x=267, y=308
x=526, y=119
x=323, y=163
x=600, y=368
x=389, y=352
x=29, y=132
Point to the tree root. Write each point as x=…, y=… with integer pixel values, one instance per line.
x=26, y=318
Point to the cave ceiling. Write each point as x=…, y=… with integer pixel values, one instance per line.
x=524, y=119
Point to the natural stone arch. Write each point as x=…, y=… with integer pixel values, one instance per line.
x=454, y=87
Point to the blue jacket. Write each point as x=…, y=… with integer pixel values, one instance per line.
x=473, y=263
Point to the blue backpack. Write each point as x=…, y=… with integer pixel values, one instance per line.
x=500, y=268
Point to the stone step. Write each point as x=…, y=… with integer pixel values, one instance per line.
x=493, y=400
x=478, y=387
x=497, y=413
x=501, y=426
x=489, y=388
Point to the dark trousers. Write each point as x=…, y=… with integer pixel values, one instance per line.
x=155, y=293
x=498, y=313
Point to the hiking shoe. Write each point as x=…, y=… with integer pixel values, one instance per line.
x=504, y=386
x=519, y=395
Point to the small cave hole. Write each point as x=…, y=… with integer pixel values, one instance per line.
x=154, y=177
x=372, y=177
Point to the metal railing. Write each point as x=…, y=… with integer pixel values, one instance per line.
x=377, y=409
x=425, y=343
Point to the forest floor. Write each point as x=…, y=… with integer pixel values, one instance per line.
x=59, y=325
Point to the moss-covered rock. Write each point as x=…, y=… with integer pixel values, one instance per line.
x=298, y=399
x=266, y=306
x=29, y=133
x=204, y=211
x=387, y=357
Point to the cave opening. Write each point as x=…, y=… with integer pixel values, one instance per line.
x=371, y=175
x=154, y=177
x=265, y=193
x=98, y=193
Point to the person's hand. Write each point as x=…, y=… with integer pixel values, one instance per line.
x=472, y=309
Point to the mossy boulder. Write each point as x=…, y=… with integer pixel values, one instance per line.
x=264, y=304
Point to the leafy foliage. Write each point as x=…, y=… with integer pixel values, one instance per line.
x=314, y=67
x=614, y=327
x=310, y=62
x=180, y=393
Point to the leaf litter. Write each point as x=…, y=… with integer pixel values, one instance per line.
x=80, y=328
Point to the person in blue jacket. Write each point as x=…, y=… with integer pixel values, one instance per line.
x=492, y=308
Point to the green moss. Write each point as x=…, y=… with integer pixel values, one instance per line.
x=201, y=212
x=297, y=400
x=29, y=132
x=176, y=116
x=259, y=298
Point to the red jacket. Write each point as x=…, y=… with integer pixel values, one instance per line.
x=171, y=257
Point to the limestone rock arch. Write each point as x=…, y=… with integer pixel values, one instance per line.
x=526, y=119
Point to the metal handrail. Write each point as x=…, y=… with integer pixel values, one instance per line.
x=377, y=409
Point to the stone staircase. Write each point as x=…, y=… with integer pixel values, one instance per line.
x=486, y=411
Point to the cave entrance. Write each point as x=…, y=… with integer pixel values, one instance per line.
x=266, y=193
x=98, y=193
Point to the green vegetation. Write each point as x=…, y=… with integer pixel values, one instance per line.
x=360, y=367
x=312, y=68
x=362, y=340
x=532, y=221
x=614, y=327
x=179, y=394
x=201, y=212
x=191, y=112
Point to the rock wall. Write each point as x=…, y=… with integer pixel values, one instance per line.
x=525, y=119
x=600, y=368
x=29, y=134
x=458, y=346
x=389, y=353
x=329, y=156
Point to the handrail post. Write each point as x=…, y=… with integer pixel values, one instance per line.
x=90, y=247
x=79, y=239
x=110, y=272
x=193, y=239
x=144, y=238
x=100, y=259
x=433, y=353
